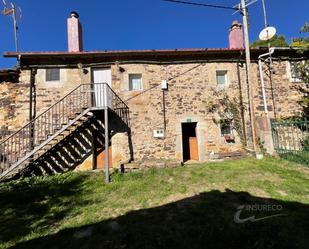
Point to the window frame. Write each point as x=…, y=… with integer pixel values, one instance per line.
x=140, y=76
x=49, y=74
x=226, y=83
x=226, y=123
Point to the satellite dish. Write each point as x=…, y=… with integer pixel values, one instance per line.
x=267, y=33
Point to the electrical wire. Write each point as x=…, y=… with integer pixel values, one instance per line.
x=168, y=79
x=203, y=4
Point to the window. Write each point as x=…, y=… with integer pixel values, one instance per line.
x=292, y=71
x=221, y=78
x=135, y=82
x=53, y=74
x=227, y=131
x=226, y=127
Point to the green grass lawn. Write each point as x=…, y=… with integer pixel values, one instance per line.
x=186, y=207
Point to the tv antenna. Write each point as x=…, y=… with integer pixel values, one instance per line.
x=265, y=15
x=14, y=11
x=266, y=35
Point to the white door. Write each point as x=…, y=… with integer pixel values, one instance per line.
x=102, y=75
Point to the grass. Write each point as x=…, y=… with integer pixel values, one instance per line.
x=301, y=157
x=186, y=207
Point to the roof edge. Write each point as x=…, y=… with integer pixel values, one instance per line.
x=102, y=52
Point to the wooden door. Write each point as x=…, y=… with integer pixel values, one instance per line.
x=101, y=158
x=193, y=148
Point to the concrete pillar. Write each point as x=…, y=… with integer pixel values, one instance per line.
x=264, y=133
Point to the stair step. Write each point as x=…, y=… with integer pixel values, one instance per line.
x=66, y=120
x=129, y=167
x=132, y=165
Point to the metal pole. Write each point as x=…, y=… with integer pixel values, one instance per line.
x=15, y=27
x=106, y=161
x=248, y=66
x=164, y=111
x=265, y=16
x=241, y=102
x=263, y=87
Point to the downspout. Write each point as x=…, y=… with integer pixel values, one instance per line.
x=242, y=109
x=271, y=51
x=32, y=110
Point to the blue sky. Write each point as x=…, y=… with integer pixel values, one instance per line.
x=141, y=24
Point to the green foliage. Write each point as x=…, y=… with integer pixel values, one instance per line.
x=302, y=69
x=305, y=144
x=229, y=108
x=261, y=146
x=302, y=42
x=305, y=28
x=276, y=41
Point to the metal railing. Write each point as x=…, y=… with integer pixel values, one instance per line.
x=291, y=139
x=82, y=99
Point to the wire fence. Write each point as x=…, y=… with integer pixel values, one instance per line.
x=291, y=140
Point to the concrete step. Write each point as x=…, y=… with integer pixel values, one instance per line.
x=147, y=164
x=129, y=167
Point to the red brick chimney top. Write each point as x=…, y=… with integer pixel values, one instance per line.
x=75, y=33
x=236, y=36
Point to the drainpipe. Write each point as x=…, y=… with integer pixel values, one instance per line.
x=271, y=51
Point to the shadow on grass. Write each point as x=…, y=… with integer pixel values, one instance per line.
x=202, y=221
x=37, y=204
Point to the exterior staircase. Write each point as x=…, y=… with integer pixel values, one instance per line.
x=63, y=134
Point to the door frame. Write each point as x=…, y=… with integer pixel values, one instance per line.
x=98, y=68
x=182, y=139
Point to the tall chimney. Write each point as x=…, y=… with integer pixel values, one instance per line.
x=75, y=33
x=236, y=36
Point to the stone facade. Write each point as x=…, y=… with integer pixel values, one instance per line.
x=14, y=107
x=14, y=97
x=281, y=91
x=190, y=87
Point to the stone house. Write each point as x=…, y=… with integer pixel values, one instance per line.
x=169, y=95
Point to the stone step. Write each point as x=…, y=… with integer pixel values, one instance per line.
x=129, y=167
x=231, y=155
x=137, y=165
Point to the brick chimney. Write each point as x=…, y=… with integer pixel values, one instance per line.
x=236, y=36
x=75, y=33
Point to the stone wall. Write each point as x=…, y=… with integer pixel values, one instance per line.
x=281, y=92
x=14, y=97
x=290, y=136
x=14, y=107
x=191, y=86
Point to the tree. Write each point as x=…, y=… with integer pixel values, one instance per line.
x=276, y=41
x=302, y=42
